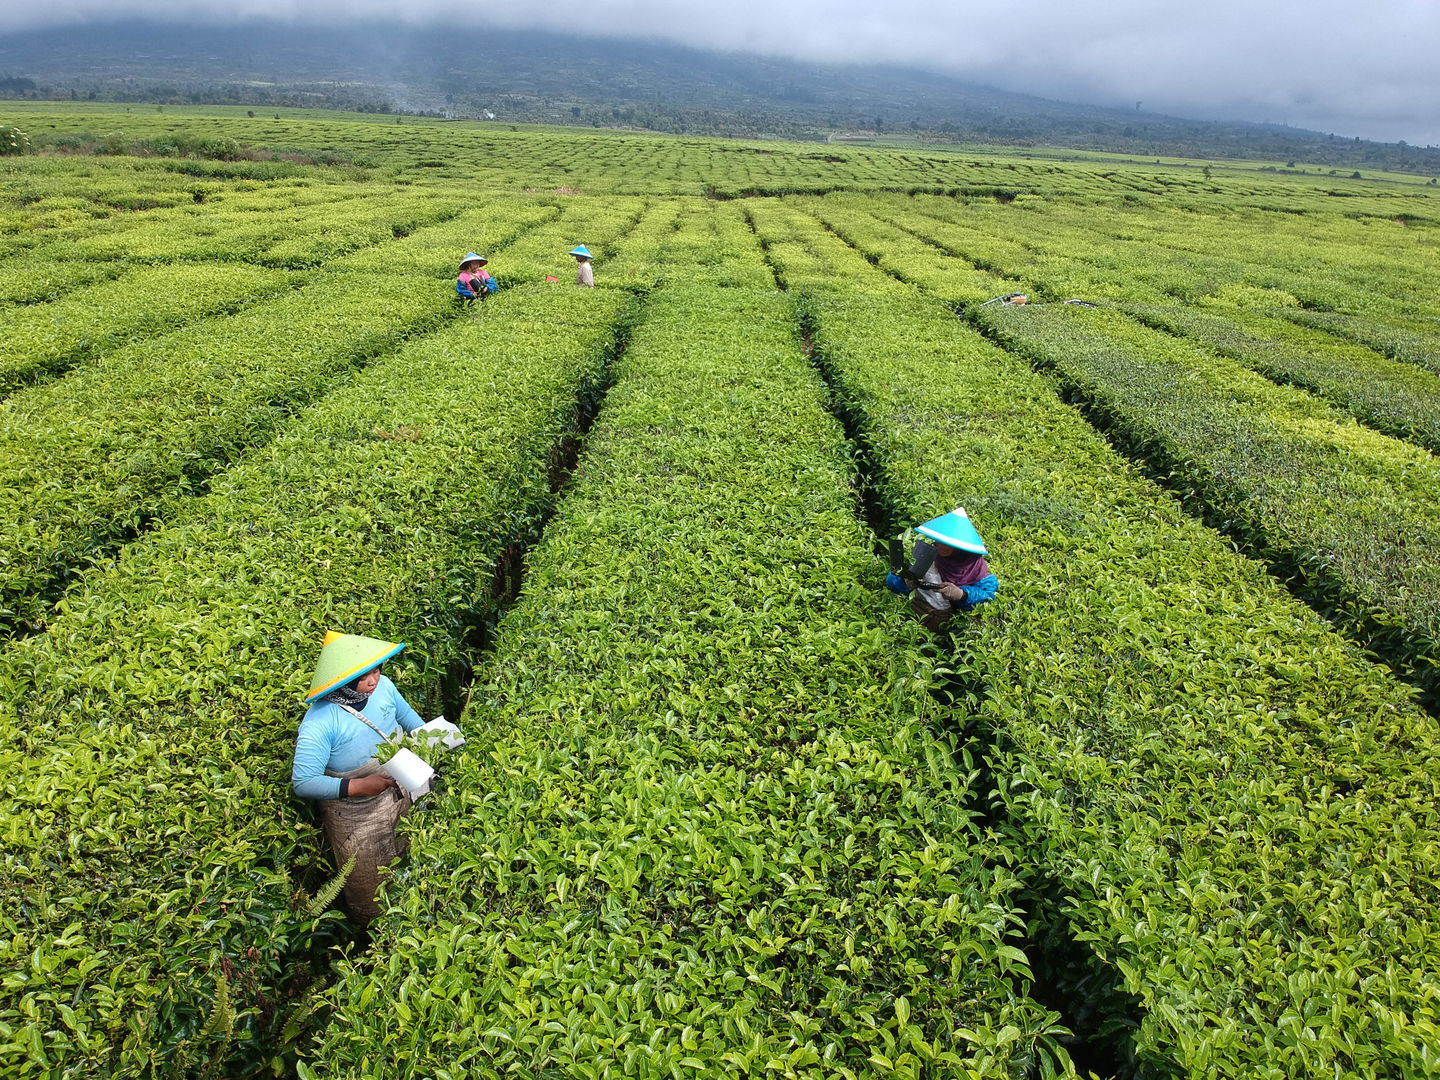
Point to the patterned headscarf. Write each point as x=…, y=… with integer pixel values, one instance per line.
x=348, y=695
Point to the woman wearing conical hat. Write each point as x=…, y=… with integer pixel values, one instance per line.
x=584, y=273
x=949, y=572
x=474, y=281
x=353, y=709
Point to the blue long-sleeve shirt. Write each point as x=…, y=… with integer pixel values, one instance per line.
x=330, y=738
x=981, y=592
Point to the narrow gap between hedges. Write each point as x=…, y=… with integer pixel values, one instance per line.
x=1068, y=978
x=507, y=577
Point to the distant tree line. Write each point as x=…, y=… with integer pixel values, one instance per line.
x=799, y=120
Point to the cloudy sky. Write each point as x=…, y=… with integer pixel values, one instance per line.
x=1353, y=67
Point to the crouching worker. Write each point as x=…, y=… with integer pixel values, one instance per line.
x=353, y=709
x=948, y=572
x=474, y=282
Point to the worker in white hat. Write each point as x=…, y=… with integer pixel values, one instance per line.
x=949, y=572
x=353, y=709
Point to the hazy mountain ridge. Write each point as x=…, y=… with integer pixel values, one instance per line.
x=540, y=77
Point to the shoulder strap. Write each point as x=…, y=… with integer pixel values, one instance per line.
x=361, y=717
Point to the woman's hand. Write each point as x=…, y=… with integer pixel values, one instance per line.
x=373, y=784
x=952, y=592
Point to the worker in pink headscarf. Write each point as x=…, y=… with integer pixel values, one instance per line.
x=948, y=572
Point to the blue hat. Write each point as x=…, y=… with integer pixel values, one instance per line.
x=954, y=530
x=581, y=250
x=472, y=257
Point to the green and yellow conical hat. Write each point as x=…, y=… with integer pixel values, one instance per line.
x=347, y=656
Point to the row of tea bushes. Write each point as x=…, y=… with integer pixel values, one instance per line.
x=1234, y=813
x=150, y=846
x=101, y=452
x=526, y=240
x=1400, y=336
x=1327, y=261
x=495, y=158
x=92, y=457
x=296, y=237
x=53, y=202
x=41, y=340
x=1389, y=395
x=435, y=251
x=714, y=246
x=1353, y=515
x=691, y=241
x=242, y=209
x=599, y=223
x=708, y=822
x=1060, y=255
x=31, y=279
x=97, y=455
x=635, y=267
x=904, y=256
x=1010, y=254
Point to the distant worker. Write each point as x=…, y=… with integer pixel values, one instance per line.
x=474, y=282
x=584, y=273
x=948, y=571
x=353, y=709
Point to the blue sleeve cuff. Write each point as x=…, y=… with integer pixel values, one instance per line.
x=982, y=592
x=316, y=787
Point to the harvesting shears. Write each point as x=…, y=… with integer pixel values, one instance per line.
x=902, y=577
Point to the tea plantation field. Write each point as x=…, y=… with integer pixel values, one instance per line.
x=1169, y=807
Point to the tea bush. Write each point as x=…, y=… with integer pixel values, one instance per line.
x=41, y=340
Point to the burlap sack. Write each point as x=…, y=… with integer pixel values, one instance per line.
x=365, y=828
x=932, y=618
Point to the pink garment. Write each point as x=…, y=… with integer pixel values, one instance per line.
x=962, y=568
x=474, y=282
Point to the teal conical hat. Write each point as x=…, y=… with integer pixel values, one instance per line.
x=472, y=257
x=954, y=529
x=580, y=249
x=347, y=656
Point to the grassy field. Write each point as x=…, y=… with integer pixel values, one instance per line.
x=1167, y=808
